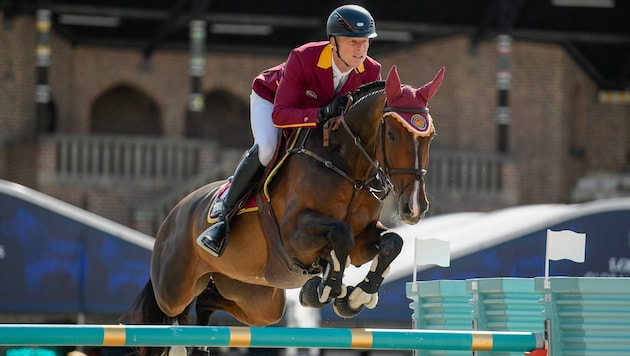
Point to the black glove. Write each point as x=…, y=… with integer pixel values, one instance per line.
x=333, y=109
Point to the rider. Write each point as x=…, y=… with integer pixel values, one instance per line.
x=306, y=90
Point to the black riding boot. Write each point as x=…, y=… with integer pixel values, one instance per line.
x=246, y=174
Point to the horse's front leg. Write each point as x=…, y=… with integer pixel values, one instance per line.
x=342, y=241
x=366, y=292
x=316, y=231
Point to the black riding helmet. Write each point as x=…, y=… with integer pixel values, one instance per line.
x=350, y=21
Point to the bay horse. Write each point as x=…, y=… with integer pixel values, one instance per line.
x=321, y=214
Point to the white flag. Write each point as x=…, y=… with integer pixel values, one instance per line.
x=566, y=244
x=433, y=252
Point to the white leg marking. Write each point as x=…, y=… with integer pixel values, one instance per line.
x=414, y=203
x=177, y=350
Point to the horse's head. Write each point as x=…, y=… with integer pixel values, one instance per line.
x=407, y=133
x=389, y=124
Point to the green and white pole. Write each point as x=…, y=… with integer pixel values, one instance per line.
x=266, y=337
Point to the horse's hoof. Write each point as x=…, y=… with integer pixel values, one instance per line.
x=358, y=297
x=326, y=293
x=308, y=294
x=177, y=351
x=342, y=307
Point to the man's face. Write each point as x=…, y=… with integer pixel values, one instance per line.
x=353, y=50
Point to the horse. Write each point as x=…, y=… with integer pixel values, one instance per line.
x=317, y=214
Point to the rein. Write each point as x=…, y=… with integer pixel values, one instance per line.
x=358, y=184
x=382, y=175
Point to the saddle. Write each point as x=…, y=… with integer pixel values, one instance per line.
x=281, y=270
x=248, y=202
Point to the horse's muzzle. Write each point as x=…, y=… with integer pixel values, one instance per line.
x=412, y=208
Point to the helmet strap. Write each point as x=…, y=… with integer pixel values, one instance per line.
x=338, y=54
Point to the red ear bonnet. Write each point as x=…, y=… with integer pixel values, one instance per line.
x=409, y=105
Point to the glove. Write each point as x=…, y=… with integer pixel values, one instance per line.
x=333, y=109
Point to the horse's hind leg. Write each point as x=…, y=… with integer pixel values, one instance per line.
x=205, y=305
x=211, y=300
x=365, y=293
x=145, y=310
x=251, y=304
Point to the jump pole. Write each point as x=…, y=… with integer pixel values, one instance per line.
x=265, y=337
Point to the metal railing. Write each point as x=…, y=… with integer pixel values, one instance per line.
x=138, y=158
x=152, y=215
x=129, y=158
x=176, y=166
x=466, y=172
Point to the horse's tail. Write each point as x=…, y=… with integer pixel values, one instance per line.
x=145, y=310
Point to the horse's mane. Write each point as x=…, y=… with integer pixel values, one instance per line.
x=364, y=89
x=367, y=90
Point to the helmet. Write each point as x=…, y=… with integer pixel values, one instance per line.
x=350, y=21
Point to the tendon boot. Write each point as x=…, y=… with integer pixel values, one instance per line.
x=214, y=238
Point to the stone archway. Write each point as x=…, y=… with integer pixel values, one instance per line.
x=225, y=119
x=125, y=109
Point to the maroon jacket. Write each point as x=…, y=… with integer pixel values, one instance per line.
x=304, y=83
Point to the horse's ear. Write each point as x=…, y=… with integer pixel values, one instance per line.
x=428, y=90
x=392, y=84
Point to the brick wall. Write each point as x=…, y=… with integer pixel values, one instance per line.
x=558, y=130
x=116, y=202
x=463, y=108
x=17, y=79
x=17, y=98
x=164, y=79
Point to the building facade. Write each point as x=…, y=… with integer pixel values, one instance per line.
x=118, y=138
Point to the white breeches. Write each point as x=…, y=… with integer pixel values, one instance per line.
x=265, y=134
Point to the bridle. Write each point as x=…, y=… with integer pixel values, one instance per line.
x=418, y=173
x=378, y=184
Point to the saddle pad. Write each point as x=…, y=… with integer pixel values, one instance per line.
x=248, y=206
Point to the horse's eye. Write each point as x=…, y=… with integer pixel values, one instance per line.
x=392, y=136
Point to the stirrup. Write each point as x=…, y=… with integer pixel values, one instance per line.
x=216, y=246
